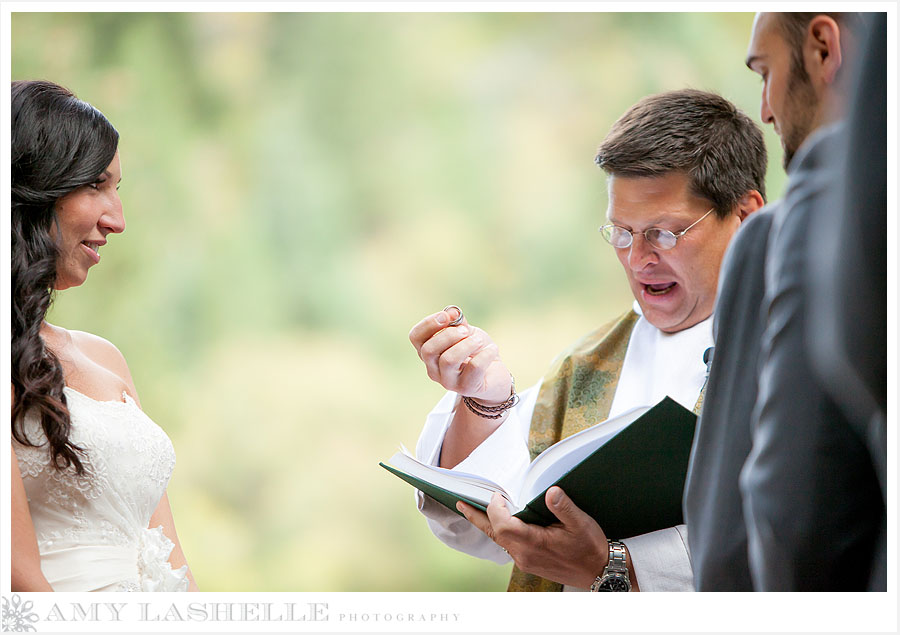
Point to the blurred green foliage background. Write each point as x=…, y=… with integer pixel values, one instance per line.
x=299, y=190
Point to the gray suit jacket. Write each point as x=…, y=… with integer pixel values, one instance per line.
x=812, y=498
x=713, y=508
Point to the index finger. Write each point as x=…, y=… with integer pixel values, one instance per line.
x=476, y=517
x=427, y=327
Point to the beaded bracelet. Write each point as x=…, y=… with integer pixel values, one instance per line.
x=493, y=412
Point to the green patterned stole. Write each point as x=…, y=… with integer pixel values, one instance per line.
x=576, y=393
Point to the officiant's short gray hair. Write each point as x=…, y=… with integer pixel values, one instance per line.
x=698, y=133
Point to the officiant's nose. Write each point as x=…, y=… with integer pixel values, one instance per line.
x=641, y=253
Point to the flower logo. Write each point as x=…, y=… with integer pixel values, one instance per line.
x=17, y=615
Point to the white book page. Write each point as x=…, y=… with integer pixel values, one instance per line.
x=559, y=458
x=471, y=486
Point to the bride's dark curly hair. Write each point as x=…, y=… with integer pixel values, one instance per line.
x=59, y=143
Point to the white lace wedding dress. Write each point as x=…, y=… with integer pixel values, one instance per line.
x=92, y=530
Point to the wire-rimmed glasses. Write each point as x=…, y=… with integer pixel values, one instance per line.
x=620, y=238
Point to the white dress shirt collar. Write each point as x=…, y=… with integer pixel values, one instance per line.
x=659, y=364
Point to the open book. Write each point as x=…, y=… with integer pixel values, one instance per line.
x=627, y=472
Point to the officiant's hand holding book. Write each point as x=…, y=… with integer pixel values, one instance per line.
x=627, y=473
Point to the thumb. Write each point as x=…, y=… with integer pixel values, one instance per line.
x=563, y=508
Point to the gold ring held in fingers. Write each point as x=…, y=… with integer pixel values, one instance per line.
x=457, y=320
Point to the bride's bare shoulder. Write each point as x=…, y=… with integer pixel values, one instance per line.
x=92, y=364
x=97, y=348
x=102, y=352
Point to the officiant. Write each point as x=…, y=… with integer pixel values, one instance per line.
x=684, y=170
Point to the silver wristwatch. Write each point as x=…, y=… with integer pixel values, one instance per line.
x=615, y=575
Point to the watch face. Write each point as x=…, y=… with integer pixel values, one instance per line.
x=614, y=583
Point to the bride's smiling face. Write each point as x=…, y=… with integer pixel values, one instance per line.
x=84, y=219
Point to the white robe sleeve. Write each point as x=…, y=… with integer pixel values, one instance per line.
x=503, y=458
x=661, y=560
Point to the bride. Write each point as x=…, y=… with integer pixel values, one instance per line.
x=89, y=468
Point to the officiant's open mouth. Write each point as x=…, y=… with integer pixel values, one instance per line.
x=660, y=288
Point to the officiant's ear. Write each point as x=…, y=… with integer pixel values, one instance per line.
x=749, y=203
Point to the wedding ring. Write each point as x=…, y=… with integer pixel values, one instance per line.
x=457, y=320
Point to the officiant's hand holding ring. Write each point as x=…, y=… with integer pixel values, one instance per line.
x=461, y=357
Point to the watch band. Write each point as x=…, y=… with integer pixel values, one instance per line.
x=615, y=574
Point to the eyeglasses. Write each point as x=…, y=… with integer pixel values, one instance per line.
x=620, y=238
